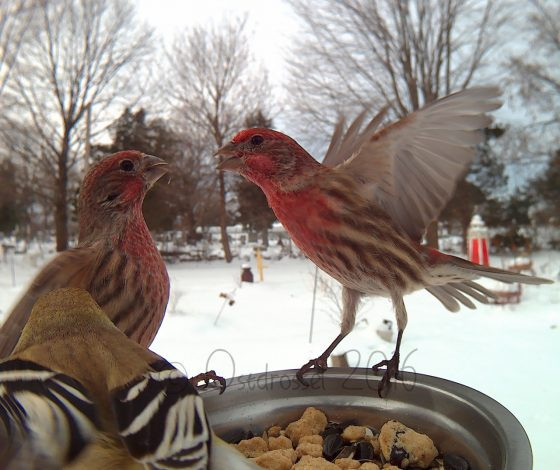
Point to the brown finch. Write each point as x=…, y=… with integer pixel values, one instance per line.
x=116, y=259
x=78, y=394
x=360, y=216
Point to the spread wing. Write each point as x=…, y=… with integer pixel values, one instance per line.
x=410, y=168
x=70, y=268
x=344, y=144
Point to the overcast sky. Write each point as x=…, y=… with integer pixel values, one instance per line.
x=271, y=22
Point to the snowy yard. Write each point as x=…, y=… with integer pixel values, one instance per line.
x=511, y=353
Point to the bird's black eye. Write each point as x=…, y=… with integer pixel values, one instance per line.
x=127, y=165
x=257, y=139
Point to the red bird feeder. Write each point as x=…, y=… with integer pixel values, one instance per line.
x=478, y=242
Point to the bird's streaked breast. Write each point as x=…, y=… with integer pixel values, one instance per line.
x=351, y=239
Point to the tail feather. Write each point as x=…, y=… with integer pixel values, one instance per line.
x=447, y=300
x=477, y=270
x=454, y=292
x=225, y=457
x=449, y=294
x=470, y=290
x=476, y=286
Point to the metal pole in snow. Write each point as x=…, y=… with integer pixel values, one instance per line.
x=313, y=304
x=12, y=262
x=220, y=312
x=260, y=264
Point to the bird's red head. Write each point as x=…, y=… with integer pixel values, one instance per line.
x=117, y=185
x=266, y=157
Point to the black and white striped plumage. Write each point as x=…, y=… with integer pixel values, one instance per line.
x=46, y=418
x=75, y=364
x=162, y=420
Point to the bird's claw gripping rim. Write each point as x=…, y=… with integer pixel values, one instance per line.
x=206, y=377
x=319, y=363
x=392, y=370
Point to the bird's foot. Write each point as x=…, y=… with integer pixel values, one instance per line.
x=319, y=363
x=392, y=370
x=206, y=377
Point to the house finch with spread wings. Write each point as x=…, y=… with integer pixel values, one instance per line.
x=77, y=393
x=116, y=259
x=360, y=216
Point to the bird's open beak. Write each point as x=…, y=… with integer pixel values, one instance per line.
x=233, y=163
x=154, y=169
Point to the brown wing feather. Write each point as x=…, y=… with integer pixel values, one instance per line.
x=411, y=167
x=344, y=145
x=70, y=268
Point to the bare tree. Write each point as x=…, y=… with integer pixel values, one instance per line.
x=404, y=53
x=81, y=55
x=214, y=83
x=15, y=18
x=536, y=73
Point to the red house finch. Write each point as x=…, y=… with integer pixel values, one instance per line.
x=76, y=391
x=360, y=216
x=116, y=259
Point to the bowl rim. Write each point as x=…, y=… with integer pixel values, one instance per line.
x=517, y=445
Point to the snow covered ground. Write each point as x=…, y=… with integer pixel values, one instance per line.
x=511, y=353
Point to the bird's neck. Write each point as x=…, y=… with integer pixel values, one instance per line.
x=135, y=237
x=125, y=229
x=296, y=206
x=291, y=184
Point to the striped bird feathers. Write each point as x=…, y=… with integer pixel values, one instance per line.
x=116, y=259
x=147, y=411
x=161, y=419
x=46, y=418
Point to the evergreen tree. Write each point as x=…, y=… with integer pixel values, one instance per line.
x=546, y=190
x=461, y=208
x=167, y=206
x=15, y=201
x=254, y=211
x=485, y=177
